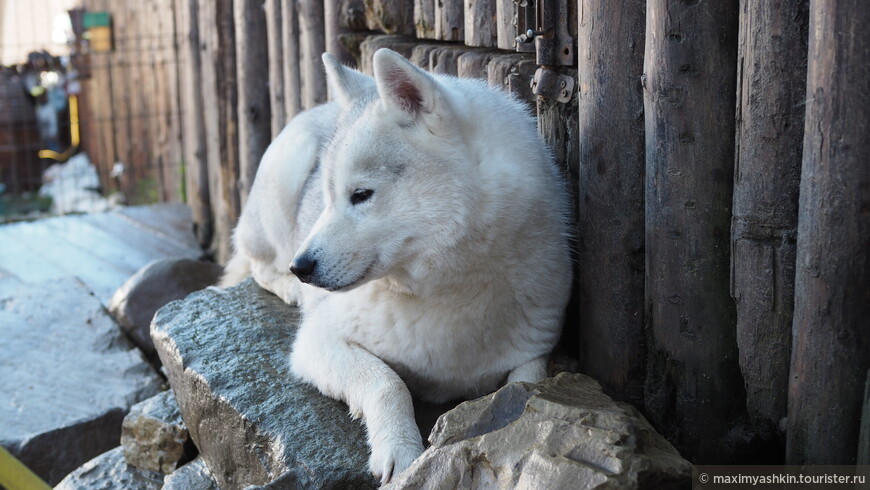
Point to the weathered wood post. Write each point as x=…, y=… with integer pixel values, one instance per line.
x=831, y=349
x=449, y=20
x=312, y=44
x=770, y=119
x=252, y=55
x=275, y=33
x=333, y=12
x=220, y=111
x=193, y=123
x=693, y=390
x=610, y=218
x=292, y=72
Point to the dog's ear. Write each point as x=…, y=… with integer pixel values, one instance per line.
x=345, y=84
x=402, y=85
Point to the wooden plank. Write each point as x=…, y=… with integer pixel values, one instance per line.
x=831, y=353
x=449, y=20
x=25, y=263
x=771, y=75
x=219, y=90
x=481, y=23
x=292, y=70
x=694, y=391
x=192, y=121
x=171, y=137
x=274, y=33
x=141, y=178
x=120, y=115
x=390, y=16
x=312, y=44
x=610, y=227
x=424, y=19
x=506, y=31
x=254, y=123
x=864, y=434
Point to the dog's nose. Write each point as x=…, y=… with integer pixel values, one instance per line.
x=303, y=267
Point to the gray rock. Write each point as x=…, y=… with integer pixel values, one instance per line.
x=154, y=285
x=68, y=376
x=226, y=354
x=154, y=436
x=192, y=476
x=109, y=471
x=560, y=433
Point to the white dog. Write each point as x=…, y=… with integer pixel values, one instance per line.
x=429, y=225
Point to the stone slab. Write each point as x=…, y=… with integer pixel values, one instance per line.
x=67, y=373
x=226, y=355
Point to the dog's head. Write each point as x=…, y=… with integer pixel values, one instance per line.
x=396, y=194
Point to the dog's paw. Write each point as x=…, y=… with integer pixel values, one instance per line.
x=390, y=459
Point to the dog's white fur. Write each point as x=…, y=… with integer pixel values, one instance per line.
x=448, y=281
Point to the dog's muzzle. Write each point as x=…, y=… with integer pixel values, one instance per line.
x=303, y=267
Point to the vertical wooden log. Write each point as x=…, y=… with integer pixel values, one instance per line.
x=424, y=19
x=449, y=20
x=864, y=433
x=312, y=43
x=220, y=99
x=771, y=89
x=292, y=72
x=332, y=12
x=611, y=214
x=506, y=30
x=481, y=23
x=193, y=135
x=693, y=391
x=274, y=32
x=253, y=89
x=831, y=349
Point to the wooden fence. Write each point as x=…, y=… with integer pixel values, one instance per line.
x=718, y=154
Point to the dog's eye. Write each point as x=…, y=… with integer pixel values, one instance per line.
x=360, y=195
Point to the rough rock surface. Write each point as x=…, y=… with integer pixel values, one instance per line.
x=560, y=433
x=192, y=476
x=68, y=376
x=154, y=436
x=110, y=471
x=226, y=355
x=154, y=285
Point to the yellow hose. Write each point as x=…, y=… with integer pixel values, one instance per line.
x=16, y=476
x=74, y=134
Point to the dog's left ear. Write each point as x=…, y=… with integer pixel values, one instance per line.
x=345, y=84
x=404, y=86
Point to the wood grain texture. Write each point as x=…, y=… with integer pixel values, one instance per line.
x=831, y=349
x=771, y=89
x=610, y=229
x=693, y=390
x=252, y=72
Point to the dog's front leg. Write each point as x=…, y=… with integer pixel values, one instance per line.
x=348, y=372
x=530, y=372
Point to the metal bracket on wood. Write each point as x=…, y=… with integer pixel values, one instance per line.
x=551, y=84
x=544, y=23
